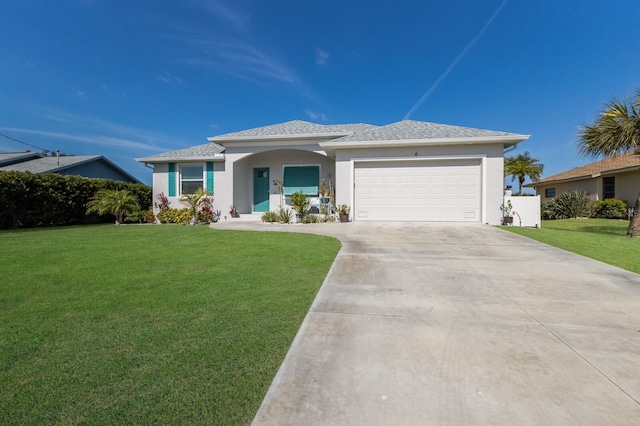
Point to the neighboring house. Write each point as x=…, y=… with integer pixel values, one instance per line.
x=92, y=166
x=405, y=171
x=615, y=177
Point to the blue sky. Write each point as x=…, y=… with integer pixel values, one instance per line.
x=134, y=78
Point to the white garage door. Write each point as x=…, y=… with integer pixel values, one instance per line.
x=418, y=191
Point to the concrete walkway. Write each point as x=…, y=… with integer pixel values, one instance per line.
x=420, y=324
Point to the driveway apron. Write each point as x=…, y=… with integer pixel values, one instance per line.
x=432, y=323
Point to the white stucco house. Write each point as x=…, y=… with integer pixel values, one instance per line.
x=404, y=171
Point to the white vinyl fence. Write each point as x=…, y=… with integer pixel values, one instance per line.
x=526, y=210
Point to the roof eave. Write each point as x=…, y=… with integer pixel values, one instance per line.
x=584, y=177
x=507, y=140
x=155, y=160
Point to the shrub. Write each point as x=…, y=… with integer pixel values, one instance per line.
x=310, y=218
x=29, y=200
x=567, y=205
x=182, y=216
x=610, y=209
x=270, y=217
x=285, y=216
x=148, y=216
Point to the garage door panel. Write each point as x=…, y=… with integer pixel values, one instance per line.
x=419, y=191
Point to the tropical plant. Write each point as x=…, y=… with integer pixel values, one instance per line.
x=616, y=131
x=343, y=209
x=197, y=200
x=300, y=203
x=115, y=202
x=610, y=209
x=568, y=205
x=521, y=166
x=163, y=202
x=285, y=216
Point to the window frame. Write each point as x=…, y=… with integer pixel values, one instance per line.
x=610, y=182
x=203, y=178
x=547, y=191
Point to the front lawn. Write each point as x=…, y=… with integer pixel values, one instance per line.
x=600, y=239
x=149, y=324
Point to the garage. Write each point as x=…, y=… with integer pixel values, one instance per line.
x=418, y=190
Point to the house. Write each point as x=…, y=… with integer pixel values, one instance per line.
x=615, y=177
x=404, y=171
x=91, y=166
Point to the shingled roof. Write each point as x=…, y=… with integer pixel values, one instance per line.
x=294, y=128
x=621, y=163
x=204, y=151
x=410, y=129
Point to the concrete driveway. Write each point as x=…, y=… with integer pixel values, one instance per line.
x=422, y=324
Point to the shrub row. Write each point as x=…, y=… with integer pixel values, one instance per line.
x=576, y=204
x=30, y=200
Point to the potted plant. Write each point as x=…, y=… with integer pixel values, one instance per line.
x=343, y=212
x=233, y=212
x=506, y=209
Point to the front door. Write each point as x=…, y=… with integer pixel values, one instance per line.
x=261, y=189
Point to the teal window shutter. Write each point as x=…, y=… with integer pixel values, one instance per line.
x=301, y=178
x=172, y=179
x=210, y=176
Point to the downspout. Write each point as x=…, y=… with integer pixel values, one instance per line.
x=511, y=148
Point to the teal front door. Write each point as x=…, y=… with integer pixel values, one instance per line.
x=261, y=189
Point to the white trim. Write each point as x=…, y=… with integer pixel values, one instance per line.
x=153, y=160
x=483, y=173
x=331, y=146
x=179, y=177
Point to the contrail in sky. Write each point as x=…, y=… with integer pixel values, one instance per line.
x=444, y=75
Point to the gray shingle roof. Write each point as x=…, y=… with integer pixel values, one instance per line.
x=56, y=165
x=409, y=129
x=50, y=164
x=295, y=127
x=205, y=150
x=7, y=158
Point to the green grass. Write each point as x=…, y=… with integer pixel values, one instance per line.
x=600, y=239
x=149, y=324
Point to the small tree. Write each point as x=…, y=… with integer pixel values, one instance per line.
x=300, y=203
x=117, y=203
x=196, y=200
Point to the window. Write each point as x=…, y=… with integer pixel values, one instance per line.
x=191, y=178
x=550, y=192
x=608, y=187
x=301, y=178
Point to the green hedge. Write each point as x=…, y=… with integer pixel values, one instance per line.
x=28, y=200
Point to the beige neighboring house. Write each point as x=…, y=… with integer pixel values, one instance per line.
x=615, y=177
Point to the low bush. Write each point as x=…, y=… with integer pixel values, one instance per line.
x=285, y=216
x=610, y=209
x=568, y=205
x=182, y=216
x=270, y=217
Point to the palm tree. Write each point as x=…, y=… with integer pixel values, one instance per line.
x=117, y=203
x=196, y=200
x=616, y=131
x=522, y=166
